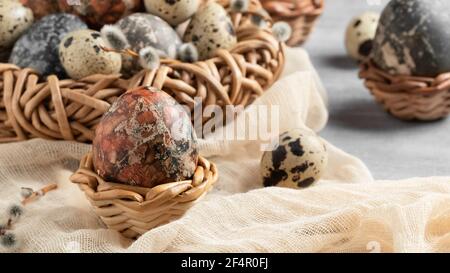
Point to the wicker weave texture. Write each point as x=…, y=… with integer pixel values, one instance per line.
x=65, y=109
x=409, y=97
x=300, y=14
x=133, y=210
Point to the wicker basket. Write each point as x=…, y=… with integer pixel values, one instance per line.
x=300, y=14
x=409, y=97
x=66, y=109
x=133, y=210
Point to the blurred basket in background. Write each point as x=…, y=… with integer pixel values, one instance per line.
x=408, y=97
x=300, y=14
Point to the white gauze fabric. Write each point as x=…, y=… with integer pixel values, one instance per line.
x=346, y=211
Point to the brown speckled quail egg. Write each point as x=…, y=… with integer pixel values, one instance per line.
x=298, y=161
x=15, y=19
x=360, y=34
x=81, y=55
x=210, y=29
x=173, y=12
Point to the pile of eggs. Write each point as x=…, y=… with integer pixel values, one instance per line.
x=79, y=38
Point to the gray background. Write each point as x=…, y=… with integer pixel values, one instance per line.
x=392, y=149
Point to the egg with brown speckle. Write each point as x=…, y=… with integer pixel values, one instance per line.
x=145, y=139
x=97, y=13
x=41, y=8
x=211, y=29
x=81, y=55
x=298, y=161
x=173, y=12
x=15, y=19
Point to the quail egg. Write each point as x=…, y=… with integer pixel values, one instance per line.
x=210, y=29
x=173, y=12
x=81, y=54
x=38, y=47
x=15, y=19
x=298, y=161
x=359, y=35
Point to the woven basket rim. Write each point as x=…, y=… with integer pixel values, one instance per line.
x=68, y=109
x=96, y=188
x=370, y=72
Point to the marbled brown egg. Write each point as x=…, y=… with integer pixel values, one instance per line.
x=210, y=29
x=142, y=30
x=81, y=55
x=145, y=139
x=173, y=12
x=15, y=19
x=97, y=13
x=298, y=161
x=41, y=8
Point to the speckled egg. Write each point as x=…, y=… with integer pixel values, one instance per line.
x=97, y=13
x=81, y=55
x=145, y=139
x=143, y=30
x=173, y=12
x=413, y=38
x=298, y=161
x=15, y=19
x=38, y=47
x=359, y=35
x=210, y=29
x=41, y=8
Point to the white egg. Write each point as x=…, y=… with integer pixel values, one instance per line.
x=81, y=55
x=299, y=160
x=360, y=34
x=173, y=12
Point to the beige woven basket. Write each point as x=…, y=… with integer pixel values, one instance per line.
x=66, y=109
x=408, y=97
x=132, y=210
x=300, y=14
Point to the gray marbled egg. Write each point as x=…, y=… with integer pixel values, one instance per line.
x=38, y=47
x=298, y=161
x=143, y=30
x=15, y=19
x=413, y=38
x=173, y=12
x=81, y=55
x=210, y=29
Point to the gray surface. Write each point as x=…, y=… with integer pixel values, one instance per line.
x=392, y=149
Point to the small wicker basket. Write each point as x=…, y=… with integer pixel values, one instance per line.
x=65, y=109
x=300, y=14
x=408, y=97
x=132, y=210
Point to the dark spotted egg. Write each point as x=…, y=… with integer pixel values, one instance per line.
x=298, y=161
x=15, y=19
x=81, y=55
x=359, y=35
x=145, y=139
x=413, y=38
x=210, y=29
x=173, y=12
x=38, y=47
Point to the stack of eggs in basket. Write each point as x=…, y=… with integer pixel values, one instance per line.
x=146, y=138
